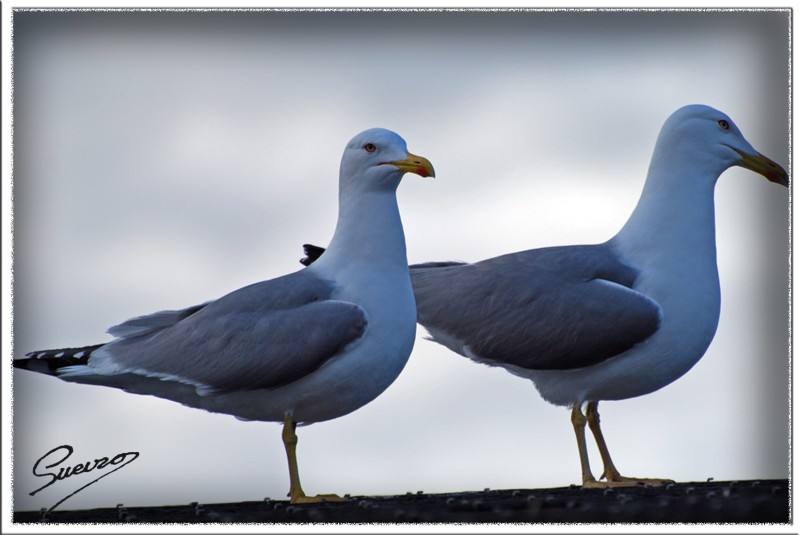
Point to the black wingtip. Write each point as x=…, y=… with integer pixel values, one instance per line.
x=312, y=252
x=444, y=264
x=49, y=361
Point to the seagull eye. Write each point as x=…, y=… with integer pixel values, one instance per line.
x=370, y=147
x=725, y=125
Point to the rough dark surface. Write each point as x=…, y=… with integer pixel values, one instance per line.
x=739, y=502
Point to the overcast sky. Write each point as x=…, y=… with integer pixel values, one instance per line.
x=164, y=159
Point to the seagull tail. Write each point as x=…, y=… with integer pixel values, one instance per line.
x=432, y=265
x=54, y=361
x=312, y=252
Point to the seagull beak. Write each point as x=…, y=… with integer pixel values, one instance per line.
x=764, y=166
x=415, y=164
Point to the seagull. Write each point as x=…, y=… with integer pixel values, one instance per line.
x=611, y=321
x=306, y=347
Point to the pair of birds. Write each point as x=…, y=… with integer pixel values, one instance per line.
x=585, y=323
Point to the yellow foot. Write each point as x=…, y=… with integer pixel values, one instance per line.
x=319, y=498
x=655, y=482
x=619, y=481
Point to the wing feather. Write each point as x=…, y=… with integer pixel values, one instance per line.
x=262, y=336
x=552, y=308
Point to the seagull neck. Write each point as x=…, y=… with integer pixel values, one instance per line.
x=675, y=213
x=369, y=230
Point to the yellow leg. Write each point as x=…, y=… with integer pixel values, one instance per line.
x=610, y=473
x=290, y=443
x=296, y=494
x=579, y=424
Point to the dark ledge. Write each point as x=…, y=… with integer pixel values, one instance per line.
x=745, y=502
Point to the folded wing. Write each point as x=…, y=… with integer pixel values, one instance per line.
x=262, y=336
x=544, y=309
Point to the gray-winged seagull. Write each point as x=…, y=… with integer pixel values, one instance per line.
x=306, y=347
x=611, y=321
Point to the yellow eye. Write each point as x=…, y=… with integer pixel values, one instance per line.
x=725, y=125
x=370, y=147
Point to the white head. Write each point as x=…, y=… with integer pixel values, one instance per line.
x=376, y=159
x=701, y=136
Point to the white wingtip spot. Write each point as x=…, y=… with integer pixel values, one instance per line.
x=75, y=371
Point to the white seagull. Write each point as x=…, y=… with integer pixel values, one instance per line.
x=610, y=321
x=302, y=348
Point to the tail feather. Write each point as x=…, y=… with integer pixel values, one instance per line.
x=50, y=361
x=313, y=252
x=428, y=265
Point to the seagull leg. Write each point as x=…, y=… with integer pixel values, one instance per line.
x=579, y=424
x=290, y=443
x=296, y=494
x=610, y=473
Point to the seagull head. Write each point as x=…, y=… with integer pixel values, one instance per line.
x=702, y=135
x=377, y=159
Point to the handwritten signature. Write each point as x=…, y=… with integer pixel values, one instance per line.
x=57, y=456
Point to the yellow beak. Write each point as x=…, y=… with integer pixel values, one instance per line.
x=764, y=166
x=415, y=164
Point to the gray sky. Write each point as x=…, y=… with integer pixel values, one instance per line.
x=165, y=159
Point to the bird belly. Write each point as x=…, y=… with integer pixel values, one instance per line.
x=690, y=316
x=348, y=381
x=345, y=383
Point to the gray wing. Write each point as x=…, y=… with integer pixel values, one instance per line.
x=262, y=336
x=545, y=309
x=152, y=323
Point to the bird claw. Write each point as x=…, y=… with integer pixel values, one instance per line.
x=633, y=481
x=319, y=498
x=619, y=481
